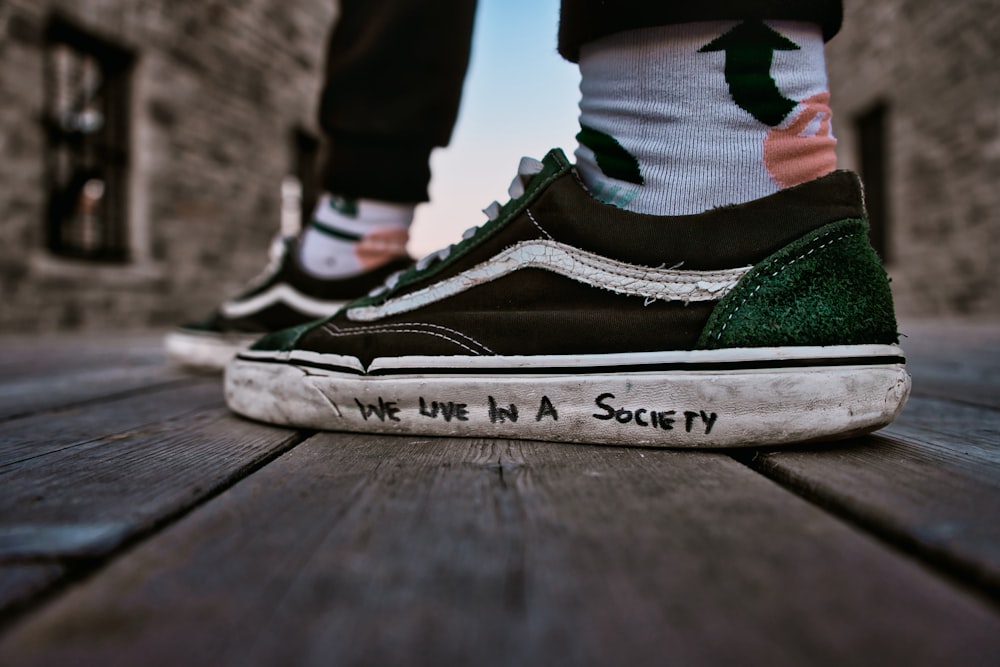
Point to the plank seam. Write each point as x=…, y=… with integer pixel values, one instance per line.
x=137, y=391
x=960, y=572
x=78, y=570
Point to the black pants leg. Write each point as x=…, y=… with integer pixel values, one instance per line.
x=395, y=69
x=394, y=74
x=582, y=21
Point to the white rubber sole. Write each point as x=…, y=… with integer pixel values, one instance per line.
x=724, y=398
x=204, y=351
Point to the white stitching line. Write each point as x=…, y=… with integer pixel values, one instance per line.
x=644, y=273
x=410, y=331
x=454, y=256
x=573, y=263
x=761, y=278
x=393, y=327
x=374, y=328
x=535, y=222
x=579, y=180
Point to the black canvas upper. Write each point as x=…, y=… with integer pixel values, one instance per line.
x=535, y=312
x=280, y=315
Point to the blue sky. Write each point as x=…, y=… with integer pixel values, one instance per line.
x=520, y=99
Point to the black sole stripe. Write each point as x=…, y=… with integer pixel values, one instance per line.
x=761, y=364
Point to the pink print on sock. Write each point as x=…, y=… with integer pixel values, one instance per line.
x=378, y=247
x=803, y=149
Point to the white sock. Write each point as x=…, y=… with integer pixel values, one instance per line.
x=347, y=236
x=668, y=129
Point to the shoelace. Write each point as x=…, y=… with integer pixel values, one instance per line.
x=526, y=170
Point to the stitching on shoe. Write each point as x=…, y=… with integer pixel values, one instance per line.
x=334, y=330
x=374, y=328
x=761, y=277
x=492, y=226
x=638, y=272
x=582, y=266
x=531, y=217
x=579, y=180
x=483, y=233
x=414, y=331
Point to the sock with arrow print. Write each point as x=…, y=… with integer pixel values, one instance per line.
x=683, y=118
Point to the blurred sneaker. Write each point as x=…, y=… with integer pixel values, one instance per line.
x=563, y=318
x=284, y=295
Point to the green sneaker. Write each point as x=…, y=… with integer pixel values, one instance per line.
x=566, y=319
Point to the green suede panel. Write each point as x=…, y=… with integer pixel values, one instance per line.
x=827, y=288
x=284, y=340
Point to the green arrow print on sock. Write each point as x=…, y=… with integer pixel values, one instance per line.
x=750, y=48
x=614, y=161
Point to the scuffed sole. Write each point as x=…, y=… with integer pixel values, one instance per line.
x=742, y=407
x=205, y=352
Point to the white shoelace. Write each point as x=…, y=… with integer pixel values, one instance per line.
x=527, y=168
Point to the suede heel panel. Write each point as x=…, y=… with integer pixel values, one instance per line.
x=827, y=288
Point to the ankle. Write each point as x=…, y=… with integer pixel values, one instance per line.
x=739, y=111
x=347, y=237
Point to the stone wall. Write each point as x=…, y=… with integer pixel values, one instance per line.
x=220, y=86
x=933, y=63
x=218, y=89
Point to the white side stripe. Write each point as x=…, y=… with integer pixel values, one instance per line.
x=573, y=263
x=281, y=293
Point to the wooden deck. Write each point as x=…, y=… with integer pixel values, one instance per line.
x=142, y=524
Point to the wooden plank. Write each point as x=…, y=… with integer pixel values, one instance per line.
x=71, y=352
x=957, y=361
x=32, y=395
x=388, y=550
x=20, y=583
x=49, y=432
x=966, y=432
x=930, y=482
x=26, y=541
x=86, y=501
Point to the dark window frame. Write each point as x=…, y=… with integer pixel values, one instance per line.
x=872, y=130
x=88, y=147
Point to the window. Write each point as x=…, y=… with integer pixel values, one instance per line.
x=86, y=119
x=871, y=127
